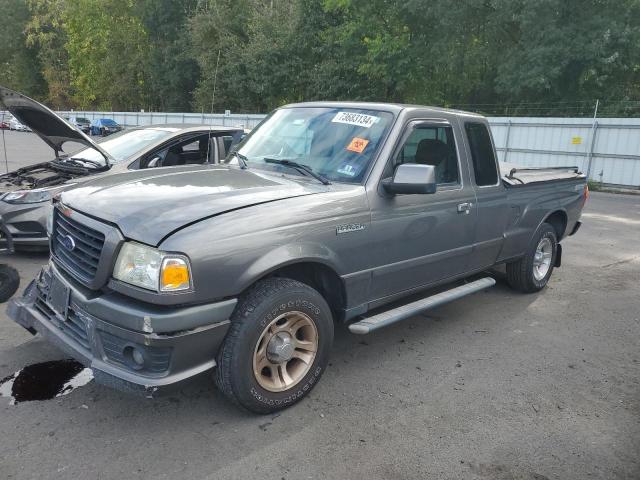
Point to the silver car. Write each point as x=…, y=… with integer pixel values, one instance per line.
x=82, y=123
x=24, y=193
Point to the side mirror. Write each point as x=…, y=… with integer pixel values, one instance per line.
x=411, y=178
x=154, y=162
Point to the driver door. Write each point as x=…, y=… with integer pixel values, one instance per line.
x=421, y=239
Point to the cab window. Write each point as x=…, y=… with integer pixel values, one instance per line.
x=430, y=144
x=482, y=155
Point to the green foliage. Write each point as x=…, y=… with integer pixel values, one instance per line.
x=172, y=72
x=107, y=48
x=493, y=56
x=45, y=34
x=19, y=65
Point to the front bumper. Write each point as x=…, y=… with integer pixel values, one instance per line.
x=27, y=223
x=110, y=130
x=106, y=347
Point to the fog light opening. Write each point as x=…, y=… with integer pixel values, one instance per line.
x=134, y=357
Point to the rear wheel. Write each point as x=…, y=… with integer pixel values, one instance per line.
x=532, y=272
x=277, y=347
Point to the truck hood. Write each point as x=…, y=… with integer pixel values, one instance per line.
x=147, y=206
x=51, y=128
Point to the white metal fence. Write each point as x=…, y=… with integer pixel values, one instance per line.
x=608, y=148
x=157, y=118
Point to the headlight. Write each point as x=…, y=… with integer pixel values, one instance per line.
x=150, y=268
x=36, y=195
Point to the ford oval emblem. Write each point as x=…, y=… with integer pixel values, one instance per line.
x=68, y=242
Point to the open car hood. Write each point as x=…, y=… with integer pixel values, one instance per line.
x=51, y=128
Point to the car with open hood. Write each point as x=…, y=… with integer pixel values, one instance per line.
x=26, y=192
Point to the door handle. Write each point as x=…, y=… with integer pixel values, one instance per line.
x=465, y=207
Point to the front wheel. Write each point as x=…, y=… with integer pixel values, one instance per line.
x=532, y=272
x=9, y=282
x=277, y=347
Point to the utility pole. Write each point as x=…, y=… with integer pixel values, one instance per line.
x=215, y=80
x=594, y=129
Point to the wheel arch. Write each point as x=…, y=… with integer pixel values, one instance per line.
x=558, y=220
x=317, y=269
x=321, y=278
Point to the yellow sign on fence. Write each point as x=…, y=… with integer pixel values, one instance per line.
x=576, y=140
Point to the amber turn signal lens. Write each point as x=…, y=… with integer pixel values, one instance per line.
x=175, y=275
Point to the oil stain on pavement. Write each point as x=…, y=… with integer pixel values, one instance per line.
x=44, y=381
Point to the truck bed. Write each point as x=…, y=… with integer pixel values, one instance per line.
x=516, y=175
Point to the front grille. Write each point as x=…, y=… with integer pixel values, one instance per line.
x=87, y=244
x=74, y=326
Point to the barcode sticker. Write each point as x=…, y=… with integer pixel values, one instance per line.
x=358, y=119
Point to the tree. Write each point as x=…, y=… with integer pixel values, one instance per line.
x=19, y=64
x=571, y=50
x=493, y=56
x=172, y=73
x=218, y=32
x=45, y=34
x=107, y=47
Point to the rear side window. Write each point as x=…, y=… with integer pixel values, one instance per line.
x=484, y=160
x=191, y=147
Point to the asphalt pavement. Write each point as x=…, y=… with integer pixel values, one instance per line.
x=498, y=385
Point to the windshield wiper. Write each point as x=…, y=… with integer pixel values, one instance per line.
x=242, y=159
x=300, y=167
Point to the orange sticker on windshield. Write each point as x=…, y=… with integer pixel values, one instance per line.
x=357, y=145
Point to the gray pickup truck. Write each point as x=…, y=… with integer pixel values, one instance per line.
x=327, y=212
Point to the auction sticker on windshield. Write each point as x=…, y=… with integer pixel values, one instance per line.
x=357, y=145
x=359, y=119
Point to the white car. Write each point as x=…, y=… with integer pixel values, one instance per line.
x=14, y=124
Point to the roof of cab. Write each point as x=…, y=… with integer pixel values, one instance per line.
x=188, y=127
x=395, y=108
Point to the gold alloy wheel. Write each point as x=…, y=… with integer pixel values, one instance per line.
x=285, y=351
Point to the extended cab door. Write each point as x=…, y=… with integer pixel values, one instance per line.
x=423, y=238
x=491, y=197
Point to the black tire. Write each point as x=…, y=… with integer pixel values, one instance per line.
x=520, y=274
x=257, y=309
x=9, y=282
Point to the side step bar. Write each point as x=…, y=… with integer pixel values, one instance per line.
x=369, y=324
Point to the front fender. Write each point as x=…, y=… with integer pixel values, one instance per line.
x=286, y=255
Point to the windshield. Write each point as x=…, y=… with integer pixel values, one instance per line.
x=337, y=143
x=107, y=121
x=124, y=144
